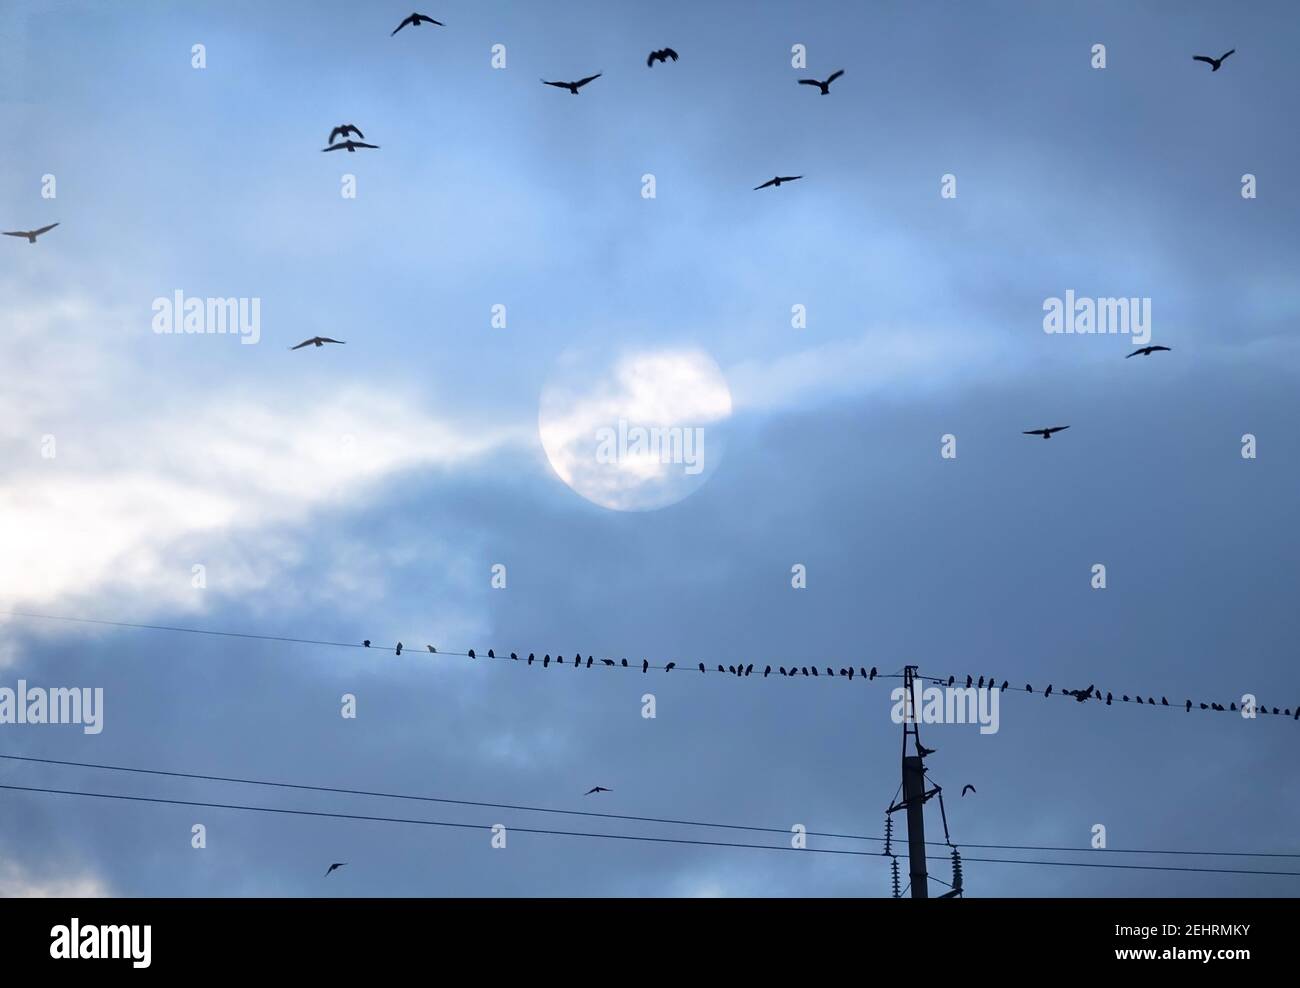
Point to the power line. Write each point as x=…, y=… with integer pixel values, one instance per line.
x=795, y=671
x=340, y=790
x=627, y=837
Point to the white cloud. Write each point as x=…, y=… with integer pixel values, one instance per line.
x=17, y=882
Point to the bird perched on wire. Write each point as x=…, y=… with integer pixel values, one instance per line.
x=645, y=664
x=366, y=643
x=873, y=673
x=399, y=648
x=671, y=666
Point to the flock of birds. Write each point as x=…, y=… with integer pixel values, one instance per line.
x=742, y=670
x=343, y=134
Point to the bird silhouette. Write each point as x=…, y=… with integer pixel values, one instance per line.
x=1045, y=433
x=573, y=87
x=814, y=670
x=334, y=867
x=625, y=663
x=1189, y=706
x=850, y=672
x=546, y=661
x=767, y=672
x=873, y=673
x=730, y=669
x=1214, y=62
x=432, y=649
x=608, y=662
x=645, y=664
x=673, y=665
x=825, y=86
x=1146, y=351
x=968, y=786
x=491, y=654
x=1005, y=684
x=1138, y=698
x=701, y=667
x=720, y=669
x=514, y=656
x=1108, y=699
x=415, y=20
x=951, y=680
x=1028, y=688
x=980, y=684
x=597, y=789
x=1164, y=701
x=471, y=654
x=662, y=55
x=804, y=670
x=863, y=672
x=366, y=643
x=749, y=668
x=969, y=680
x=399, y=648
x=318, y=341
x=922, y=750
x=31, y=235
x=1048, y=691
x=343, y=130
x=351, y=146
x=776, y=182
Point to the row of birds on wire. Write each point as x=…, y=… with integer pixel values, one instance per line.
x=741, y=670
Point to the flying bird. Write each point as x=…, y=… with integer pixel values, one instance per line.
x=334, y=867
x=597, y=789
x=1046, y=433
x=318, y=341
x=573, y=87
x=343, y=130
x=825, y=86
x=351, y=146
x=1215, y=62
x=965, y=787
x=662, y=55
x=415, y=20
x=777, y=181
x=31, y=235
x=1146, y=351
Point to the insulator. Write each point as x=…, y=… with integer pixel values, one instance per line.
x=898, y=891
x=889, y=834
x=956, y=869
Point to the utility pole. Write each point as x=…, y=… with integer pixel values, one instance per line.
x=914, y=794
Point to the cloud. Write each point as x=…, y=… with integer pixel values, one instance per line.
x=17, y=882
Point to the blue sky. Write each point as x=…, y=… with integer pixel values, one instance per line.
x=924, y=318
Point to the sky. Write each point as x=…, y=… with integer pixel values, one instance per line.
x=372, y=490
